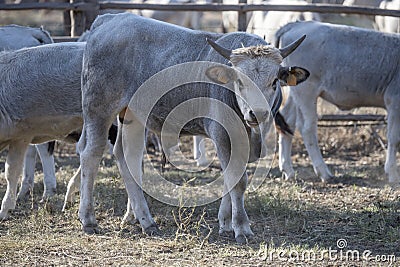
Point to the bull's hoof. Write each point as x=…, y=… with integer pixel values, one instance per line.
x=4, y=215
x=48, y=195
x=288, y=176
x=241, y=239
x=90, y=229
x=152, y=230
x=128, y=220
x=21, y=197
x=226, y=233
x=394, y=185
x=328, y=179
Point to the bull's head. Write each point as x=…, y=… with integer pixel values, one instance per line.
x=256, y=71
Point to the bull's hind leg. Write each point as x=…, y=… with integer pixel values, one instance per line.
x=133, y=147
x=13, y=169
x=393, y=136
x=91, y=146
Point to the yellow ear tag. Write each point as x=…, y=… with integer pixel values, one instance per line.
x=223, y=78
x=291, y=80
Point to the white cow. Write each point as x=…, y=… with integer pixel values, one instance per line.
x=387, y=23
x=265, y=24
x=183, y=18
x=40, y=101
x=350, y=67
x=363, y=21
x=230, y=18
x=14, y=37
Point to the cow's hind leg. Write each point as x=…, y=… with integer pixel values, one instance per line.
x=27, y=182
x=393, y=136
x=13, y=169
x=133, y=148
x=307, y=124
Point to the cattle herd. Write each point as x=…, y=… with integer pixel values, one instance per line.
x=82, y=92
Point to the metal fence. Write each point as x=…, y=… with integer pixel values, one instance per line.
x=83, y=12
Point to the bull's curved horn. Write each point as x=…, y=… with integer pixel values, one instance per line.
x=226, y=53
x=291, y=47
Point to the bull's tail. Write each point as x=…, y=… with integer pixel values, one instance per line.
x=284, y=29
x=281, y=125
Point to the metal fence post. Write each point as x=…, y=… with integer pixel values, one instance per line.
x=242, y=18
x=82, y=19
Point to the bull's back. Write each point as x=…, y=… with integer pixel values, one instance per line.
x=142, y=46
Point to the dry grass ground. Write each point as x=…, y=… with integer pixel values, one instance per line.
x=291, y=220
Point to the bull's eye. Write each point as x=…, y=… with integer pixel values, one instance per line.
x=274, y=84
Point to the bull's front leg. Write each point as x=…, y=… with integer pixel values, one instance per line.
x=225, y=213
x=13, y=169
x=232, y=214
x=240, y=220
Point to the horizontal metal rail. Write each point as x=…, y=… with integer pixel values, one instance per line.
x=320, y=8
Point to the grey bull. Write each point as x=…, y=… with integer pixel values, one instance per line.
x=123, y=52
x=350, y=67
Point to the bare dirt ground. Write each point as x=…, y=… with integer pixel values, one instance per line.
x=296, y=222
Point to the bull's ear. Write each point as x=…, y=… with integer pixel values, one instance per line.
x=293, y=75
x=221, y=74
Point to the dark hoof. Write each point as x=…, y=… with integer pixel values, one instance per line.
x=227, y=234
x=23, y=197
x=241, y=239
x=152, y=230
x=91, y=229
